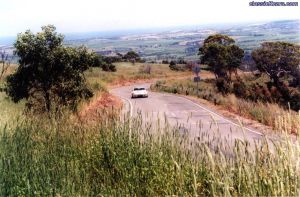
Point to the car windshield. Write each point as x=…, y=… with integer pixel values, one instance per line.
x=138, y=89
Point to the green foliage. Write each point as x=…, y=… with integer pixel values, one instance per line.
x=278, y=59
x=234, y=58
x=173, y=66
x=176, y=67
x=106, y=63
x=239, y=89
x=108, y=67
x=295, y=100
x=132, y=56
x=49, y=73
x=222, y=85
x=222, y=55
x=220, y=39
x=165, y=62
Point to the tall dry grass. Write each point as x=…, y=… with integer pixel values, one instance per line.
x=131, y=157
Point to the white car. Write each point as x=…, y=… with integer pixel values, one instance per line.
x=139, y=92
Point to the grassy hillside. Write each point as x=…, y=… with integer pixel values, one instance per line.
x=128, y=72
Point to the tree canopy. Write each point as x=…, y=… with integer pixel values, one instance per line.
x=222, y=55
x=132, y=57
x=278, y=59
x=49, y=74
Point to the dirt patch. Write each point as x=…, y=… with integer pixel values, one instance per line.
x=102, y=106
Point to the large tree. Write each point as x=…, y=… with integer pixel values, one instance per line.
x=278, y=59
x=50, y=74
x=222, y=55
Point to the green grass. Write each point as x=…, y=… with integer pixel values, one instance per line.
x=60, y=158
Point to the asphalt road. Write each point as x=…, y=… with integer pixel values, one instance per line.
x=192, y=118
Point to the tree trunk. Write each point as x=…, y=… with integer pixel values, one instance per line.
x=236, y=75
x=230, y=75
x=47, y=101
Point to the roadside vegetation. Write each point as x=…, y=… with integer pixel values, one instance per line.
x=63, y=157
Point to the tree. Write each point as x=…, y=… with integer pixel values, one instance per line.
x=278, y=59
x=234, y=59
x=49, y=75
x=103, y=62
x=165, y=62
x=173, y=65
x=132, y=57
x=222, y=55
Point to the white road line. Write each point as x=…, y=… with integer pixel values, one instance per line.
x=233, y=123
x=130, y=104
x=211, y=112
x=220, y=116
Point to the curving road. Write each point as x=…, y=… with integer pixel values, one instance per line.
x=192, y=118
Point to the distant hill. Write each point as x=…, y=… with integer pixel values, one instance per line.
x=180, y=42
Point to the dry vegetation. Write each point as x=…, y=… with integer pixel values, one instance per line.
x=67, y=158
x=129, y=73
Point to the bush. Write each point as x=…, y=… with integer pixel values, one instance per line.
x=295, y=101
x=240, y=89
x=172, y=65
x=109, y=67
x=175, y=67
x=223, y=86
x=165, y=62
x=99, y=87
x=160, y=83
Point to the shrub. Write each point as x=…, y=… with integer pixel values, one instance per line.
x=109, y=67
x=240, y=89
x=165, y=62
x=295, y=100
x=223, y=86
x=176, y=67
x=159, y=83
x=173, y=66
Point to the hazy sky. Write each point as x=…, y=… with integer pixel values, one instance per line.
x=102, y=15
